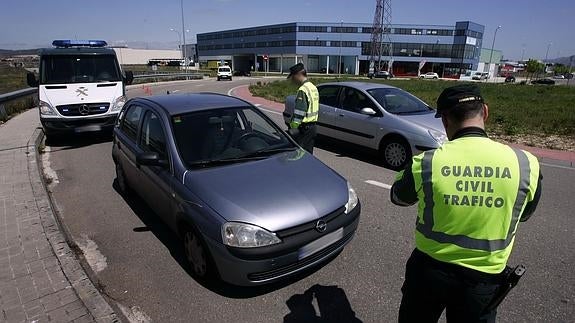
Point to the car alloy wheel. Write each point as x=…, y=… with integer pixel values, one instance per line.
x=396, y=154
x=195, y=254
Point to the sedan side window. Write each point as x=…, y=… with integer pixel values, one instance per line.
x=131, y=121
x=354, y=100
x=153, y=137
x=328, y=95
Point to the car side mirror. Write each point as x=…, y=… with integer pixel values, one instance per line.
x=129, y=78
x=368, y=111
x=150, y=159
x=31, y=79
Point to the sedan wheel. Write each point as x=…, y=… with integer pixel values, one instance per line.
x=396, y=154
x=196, y=254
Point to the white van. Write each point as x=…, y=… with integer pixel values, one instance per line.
x=224, y=72
x=81, y=87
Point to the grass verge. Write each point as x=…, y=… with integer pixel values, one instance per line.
x=514, y=109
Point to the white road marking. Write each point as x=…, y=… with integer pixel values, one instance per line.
x=259, y=106
x=134, y=314
x=94, y=257
x=49, y=174
x=557, y=166
x=379, y=184
x=270, y=111
x=175, y=91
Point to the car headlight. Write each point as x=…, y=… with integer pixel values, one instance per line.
x=46, y=109
x=118, y=103
x=244, y=235
x=440, y=137
x=352, y=199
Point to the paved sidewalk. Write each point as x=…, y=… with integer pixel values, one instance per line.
x=40, y=277
x=557, y=157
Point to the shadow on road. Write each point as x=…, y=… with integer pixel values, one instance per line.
x=332, y=304
x=344, y=149
x=163, y=232
x=79, y=140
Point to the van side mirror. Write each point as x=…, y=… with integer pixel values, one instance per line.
x=368, y=111
x=150, y=159
x=31, y=79
x=129, y=78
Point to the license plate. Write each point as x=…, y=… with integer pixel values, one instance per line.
x=89, y=128
x=320, y=244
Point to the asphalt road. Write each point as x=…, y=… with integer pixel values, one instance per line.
x=138, y=262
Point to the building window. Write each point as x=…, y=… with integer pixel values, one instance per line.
x=287, y=43
x=439, y=32
x=290, y=29
x=343, y=44
x=348, y=30
x=261, y=44
x=238, y=45
x=416, y=31
x=402, y=31
x=319, y=43
x=367, y=30
x=312, y=29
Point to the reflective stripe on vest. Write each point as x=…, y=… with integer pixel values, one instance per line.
x=426, y=228
x=312, y=94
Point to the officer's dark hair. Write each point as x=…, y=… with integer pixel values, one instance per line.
x=465, y=111
x=304, y=73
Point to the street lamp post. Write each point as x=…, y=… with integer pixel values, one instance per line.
x=183, y=34
x=545, y=61
x=493, y=45
x=179, y=41
x=432, y=52
x=340, y=39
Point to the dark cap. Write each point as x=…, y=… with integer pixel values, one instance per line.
x=456, y=95
x=295, y=69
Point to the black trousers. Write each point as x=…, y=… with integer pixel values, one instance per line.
x=306, y=136
x=431, y=287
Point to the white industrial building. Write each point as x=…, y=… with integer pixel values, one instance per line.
x=132, y=56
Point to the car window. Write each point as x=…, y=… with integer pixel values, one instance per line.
x=328, y=95
x=230, y=133
x=131, y=121
x=153, y=137
x=354, y=100
x=397, y=101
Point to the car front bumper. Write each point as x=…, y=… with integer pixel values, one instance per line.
x=252, y=271
x=78, y=125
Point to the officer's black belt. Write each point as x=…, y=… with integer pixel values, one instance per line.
x=459, y=271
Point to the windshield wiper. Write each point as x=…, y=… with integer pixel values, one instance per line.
x=269, y=152
x=220, y=162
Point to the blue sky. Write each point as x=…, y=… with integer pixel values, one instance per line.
x=33, y=23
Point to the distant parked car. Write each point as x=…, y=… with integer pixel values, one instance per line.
x=224, y=72
x=242, y=73
x=480, y=76
x=510, y=79
x=545, y=81
x=383, y=75
x=569, y=75
x=381, y=117
x=559, y=77
x=429, y=75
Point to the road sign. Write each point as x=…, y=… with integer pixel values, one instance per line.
x=421, y=64
x=154, y=68
x=266, y=57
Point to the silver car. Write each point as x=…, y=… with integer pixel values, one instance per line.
x=378, y=116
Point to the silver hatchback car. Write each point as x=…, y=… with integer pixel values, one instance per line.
x=377, y=116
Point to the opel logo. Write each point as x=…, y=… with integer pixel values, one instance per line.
x=84, y=110
x=321, y=226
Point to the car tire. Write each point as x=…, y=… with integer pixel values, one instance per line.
x=230, y=78
x=421, y=77
x=395, y=153
x=435, y=78
x=121, y=180
x=197, y=255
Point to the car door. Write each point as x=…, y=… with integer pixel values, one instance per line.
x=127, y=143
x=354, y=126
x=156, y=181
x=328, y=106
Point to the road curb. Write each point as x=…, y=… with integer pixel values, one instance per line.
x=95, y=303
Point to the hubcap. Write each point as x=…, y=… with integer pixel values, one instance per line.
x=395, y=154
x=195, y=254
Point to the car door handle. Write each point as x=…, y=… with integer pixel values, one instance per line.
x=342, y=115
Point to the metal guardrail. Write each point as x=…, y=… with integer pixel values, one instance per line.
x=194, y=76
x=11, y=96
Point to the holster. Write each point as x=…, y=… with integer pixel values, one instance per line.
x=511, y=277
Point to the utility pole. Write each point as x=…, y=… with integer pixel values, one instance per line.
x=545, y=60
x=183, y=35
x=340, y=40
x=492, y=45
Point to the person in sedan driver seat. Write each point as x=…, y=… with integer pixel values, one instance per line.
x=304, y=119
x=472, y=193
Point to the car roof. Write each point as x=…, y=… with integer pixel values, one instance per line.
x=176, y=104
x=77, y=51
x=361, y=85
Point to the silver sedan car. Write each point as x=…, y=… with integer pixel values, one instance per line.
x=381, y=117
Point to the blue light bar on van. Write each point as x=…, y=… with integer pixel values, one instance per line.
x=79, y=43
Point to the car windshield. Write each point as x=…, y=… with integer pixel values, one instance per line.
x=64, y=69
x=397, y=101
x=213, y=137
x=224, y=69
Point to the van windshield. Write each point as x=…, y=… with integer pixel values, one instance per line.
x=63, y=69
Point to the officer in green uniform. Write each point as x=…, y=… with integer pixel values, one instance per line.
x=471, y=192
x=303, y=121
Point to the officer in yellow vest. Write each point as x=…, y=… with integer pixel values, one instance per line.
x=471, y=192
x=304, y=119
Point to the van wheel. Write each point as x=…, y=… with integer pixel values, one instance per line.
x=197, y=254
x=395, y=153
x=121, y=181
x=218, y=79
